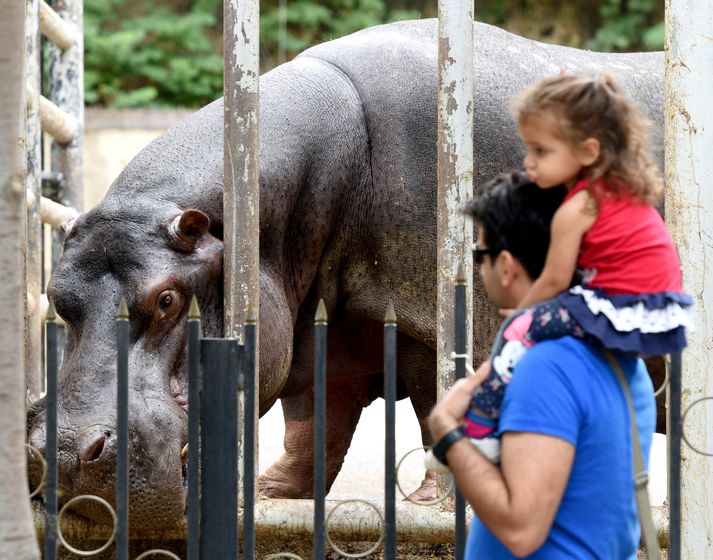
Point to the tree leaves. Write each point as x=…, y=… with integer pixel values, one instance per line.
x=169, y=52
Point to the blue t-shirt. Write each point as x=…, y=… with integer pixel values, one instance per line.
x=567, y=389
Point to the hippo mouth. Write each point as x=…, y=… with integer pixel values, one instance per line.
x=179, y=391
x=178, y=381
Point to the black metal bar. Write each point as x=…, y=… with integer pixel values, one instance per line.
x=122, y=432
x=52, y=183
x=320, y=423
x=460, y=361
x=249, y=431
x=674, y=458
x=51, y=443
x=192, y=470
x=390, y=434
x=218, y=449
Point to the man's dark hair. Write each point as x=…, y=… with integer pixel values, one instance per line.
x=515, y=215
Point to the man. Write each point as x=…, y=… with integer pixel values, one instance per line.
x=564, y=487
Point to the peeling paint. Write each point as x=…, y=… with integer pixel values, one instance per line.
x=33, y=256
x=689, y=214
x=241, y=197
x=455, y=172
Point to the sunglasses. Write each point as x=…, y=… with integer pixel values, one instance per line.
x=480, y=252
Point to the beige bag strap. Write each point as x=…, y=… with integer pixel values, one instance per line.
x=641, y=477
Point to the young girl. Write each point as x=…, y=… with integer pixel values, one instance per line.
x=584, y=133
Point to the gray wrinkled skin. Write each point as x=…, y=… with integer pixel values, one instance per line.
x=348, y=214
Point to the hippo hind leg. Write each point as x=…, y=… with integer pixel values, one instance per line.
x=292, y=475
x=417, y=367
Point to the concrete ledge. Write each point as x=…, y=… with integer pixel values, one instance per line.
x=280, y=520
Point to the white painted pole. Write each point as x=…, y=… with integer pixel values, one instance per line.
x=66, y=84
x=61, y=125
x=17, y=536
x=241, y=199
x=33, y=185
x=689, y=213
x=54, y=27
x=455, y=174
x=241, y=212
x=67, y=93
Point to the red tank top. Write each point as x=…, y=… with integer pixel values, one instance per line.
x=628, y=249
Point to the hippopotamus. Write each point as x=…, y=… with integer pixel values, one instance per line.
x=347, y=214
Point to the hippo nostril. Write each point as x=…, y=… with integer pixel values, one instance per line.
x=94, y=450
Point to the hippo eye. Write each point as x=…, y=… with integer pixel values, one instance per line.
x=168, y=303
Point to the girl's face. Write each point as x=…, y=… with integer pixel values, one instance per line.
x=550, y=161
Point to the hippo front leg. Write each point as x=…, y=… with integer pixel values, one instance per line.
x=292, y=475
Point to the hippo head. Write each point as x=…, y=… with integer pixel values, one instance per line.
x=157, y=260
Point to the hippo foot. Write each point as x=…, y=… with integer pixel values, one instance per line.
x=271, y=488
x=279, y=481
x=427, y=491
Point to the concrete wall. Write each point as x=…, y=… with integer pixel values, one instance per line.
x=113, y=137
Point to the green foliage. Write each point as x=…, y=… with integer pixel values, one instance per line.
x=169, y=52
x=308, y=23
x=628, y=25
x=654, y=36
x=150, y=56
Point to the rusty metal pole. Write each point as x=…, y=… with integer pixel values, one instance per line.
x=241, y=200
x=455, y=174
x=689, y=213
x=33, y=186
x=67, y=92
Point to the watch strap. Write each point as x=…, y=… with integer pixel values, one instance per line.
x=446, y=442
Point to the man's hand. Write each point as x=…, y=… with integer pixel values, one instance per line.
x=450, y=410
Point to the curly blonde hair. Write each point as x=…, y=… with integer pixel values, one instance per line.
x=586, y=107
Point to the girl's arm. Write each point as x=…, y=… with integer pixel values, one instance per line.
x=569, y=224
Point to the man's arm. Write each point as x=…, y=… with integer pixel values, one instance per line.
x=519, y=501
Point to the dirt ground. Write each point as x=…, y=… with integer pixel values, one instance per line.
x=304, y=551
x=405, y=551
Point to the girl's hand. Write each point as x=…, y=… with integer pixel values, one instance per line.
x=506, y=311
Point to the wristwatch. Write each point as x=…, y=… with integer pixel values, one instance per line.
x=446, y=442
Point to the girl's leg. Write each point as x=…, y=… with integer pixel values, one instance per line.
x=510, y=345
x=550, y=319
x=544, y=321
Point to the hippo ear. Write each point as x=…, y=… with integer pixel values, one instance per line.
x=190, y=226
x=66, y=226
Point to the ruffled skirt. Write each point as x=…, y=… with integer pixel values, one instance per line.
x=643, y=324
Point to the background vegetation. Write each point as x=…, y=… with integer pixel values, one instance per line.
x=169, y=52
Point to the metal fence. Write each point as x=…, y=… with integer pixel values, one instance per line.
x=220, y=370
